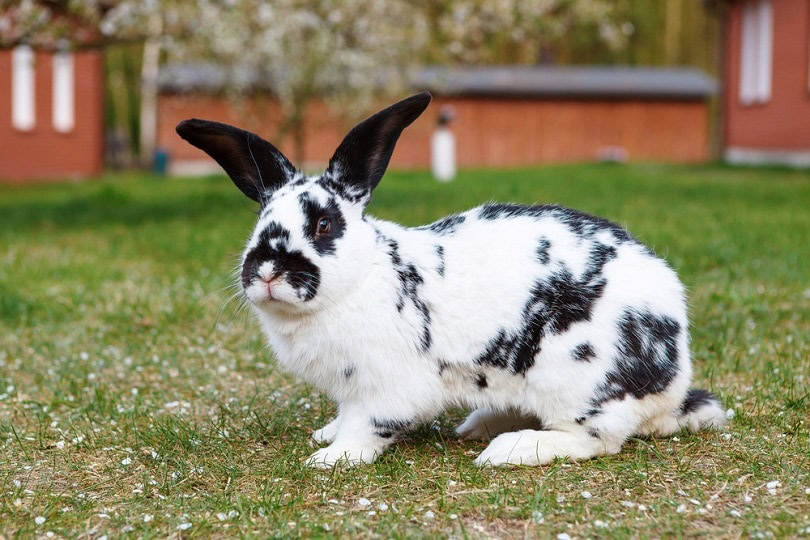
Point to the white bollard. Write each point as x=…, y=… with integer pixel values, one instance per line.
x=443, y=154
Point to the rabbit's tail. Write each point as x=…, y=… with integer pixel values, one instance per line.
x=698, y=410
x=701, y=410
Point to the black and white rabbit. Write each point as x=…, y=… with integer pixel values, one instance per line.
x=563, y=332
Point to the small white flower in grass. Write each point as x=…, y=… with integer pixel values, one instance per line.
x=39, y=520
x=563, y=536
x=681, y=509
x=642, y=508
x=628, y=504
x=807, y=491
x=126, y=461
x=695, y=502
x=676, y=439
x=17, y=483
x=735, y=513
x=748, y=499
x=726, y=436
x=233, y=514
x=172, y=405
x=537, y=517
x=730, y=414
x=382, y=507
x=600, y=524
x=60, y=445
x=83, y=355
x=222, y=370
x=148, y=517
x=184, y=526
x=222, y=516
x=429, y=514
x=364, y=502
x=586, y=494
x=371, y=513
x=773, y=484
x=453, y=516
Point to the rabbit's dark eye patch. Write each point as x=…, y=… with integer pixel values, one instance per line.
x=296, y=268
x=323, y=223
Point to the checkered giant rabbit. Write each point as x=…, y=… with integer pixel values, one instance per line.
x=563, y=333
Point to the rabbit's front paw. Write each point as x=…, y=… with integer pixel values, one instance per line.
x=328, y=457
x=327, y=433
x=484, y=424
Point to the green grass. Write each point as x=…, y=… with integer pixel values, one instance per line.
x=131, y=402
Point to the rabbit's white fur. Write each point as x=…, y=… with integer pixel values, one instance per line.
x=352, y=342
x=563, y=333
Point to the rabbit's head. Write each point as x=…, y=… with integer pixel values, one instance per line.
x=311, y=245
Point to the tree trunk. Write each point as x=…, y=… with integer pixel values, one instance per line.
x=299, y=145
x=149, y=91
x=672, y=31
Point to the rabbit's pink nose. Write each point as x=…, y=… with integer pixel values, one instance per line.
x=269, y=283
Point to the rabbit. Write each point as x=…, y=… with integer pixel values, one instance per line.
x=562, y=332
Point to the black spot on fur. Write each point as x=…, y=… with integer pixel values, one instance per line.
x=695, y=399
x=409, y=281
x=542, y=251
x=386, y=428
x=481, y=381
x=594, y=433
x=348, y=371
x=296, y=268
x=344, y=191
x=313, y=212
x=445, y=226
x=583, y=352
x=554, y=304
x=440, y=254
x=442, y=366
x=580, y=223
x=590, y=413
x=598, y=257
x=646, y=357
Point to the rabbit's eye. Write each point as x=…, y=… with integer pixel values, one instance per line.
x=324, y=226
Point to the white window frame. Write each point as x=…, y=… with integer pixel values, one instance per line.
x=63, y=92
x=756, y=52
x=23, y=90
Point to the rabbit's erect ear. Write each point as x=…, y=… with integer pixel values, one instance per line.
x=361, y=159
x=255, y=166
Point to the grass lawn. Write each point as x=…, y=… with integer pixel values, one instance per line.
x=134, y=401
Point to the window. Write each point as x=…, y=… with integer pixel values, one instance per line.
x=756, y=52
x=63, y=113
x=22, y=88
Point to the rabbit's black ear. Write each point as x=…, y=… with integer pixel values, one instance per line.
x=361, y=159
x=255, y=166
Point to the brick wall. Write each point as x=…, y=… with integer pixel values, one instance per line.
x=44, y=153
x=489, y=131
x=782, y=123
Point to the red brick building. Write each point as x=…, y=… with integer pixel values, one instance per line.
x=507, y=116
x=767, y=82
x=51, y=114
